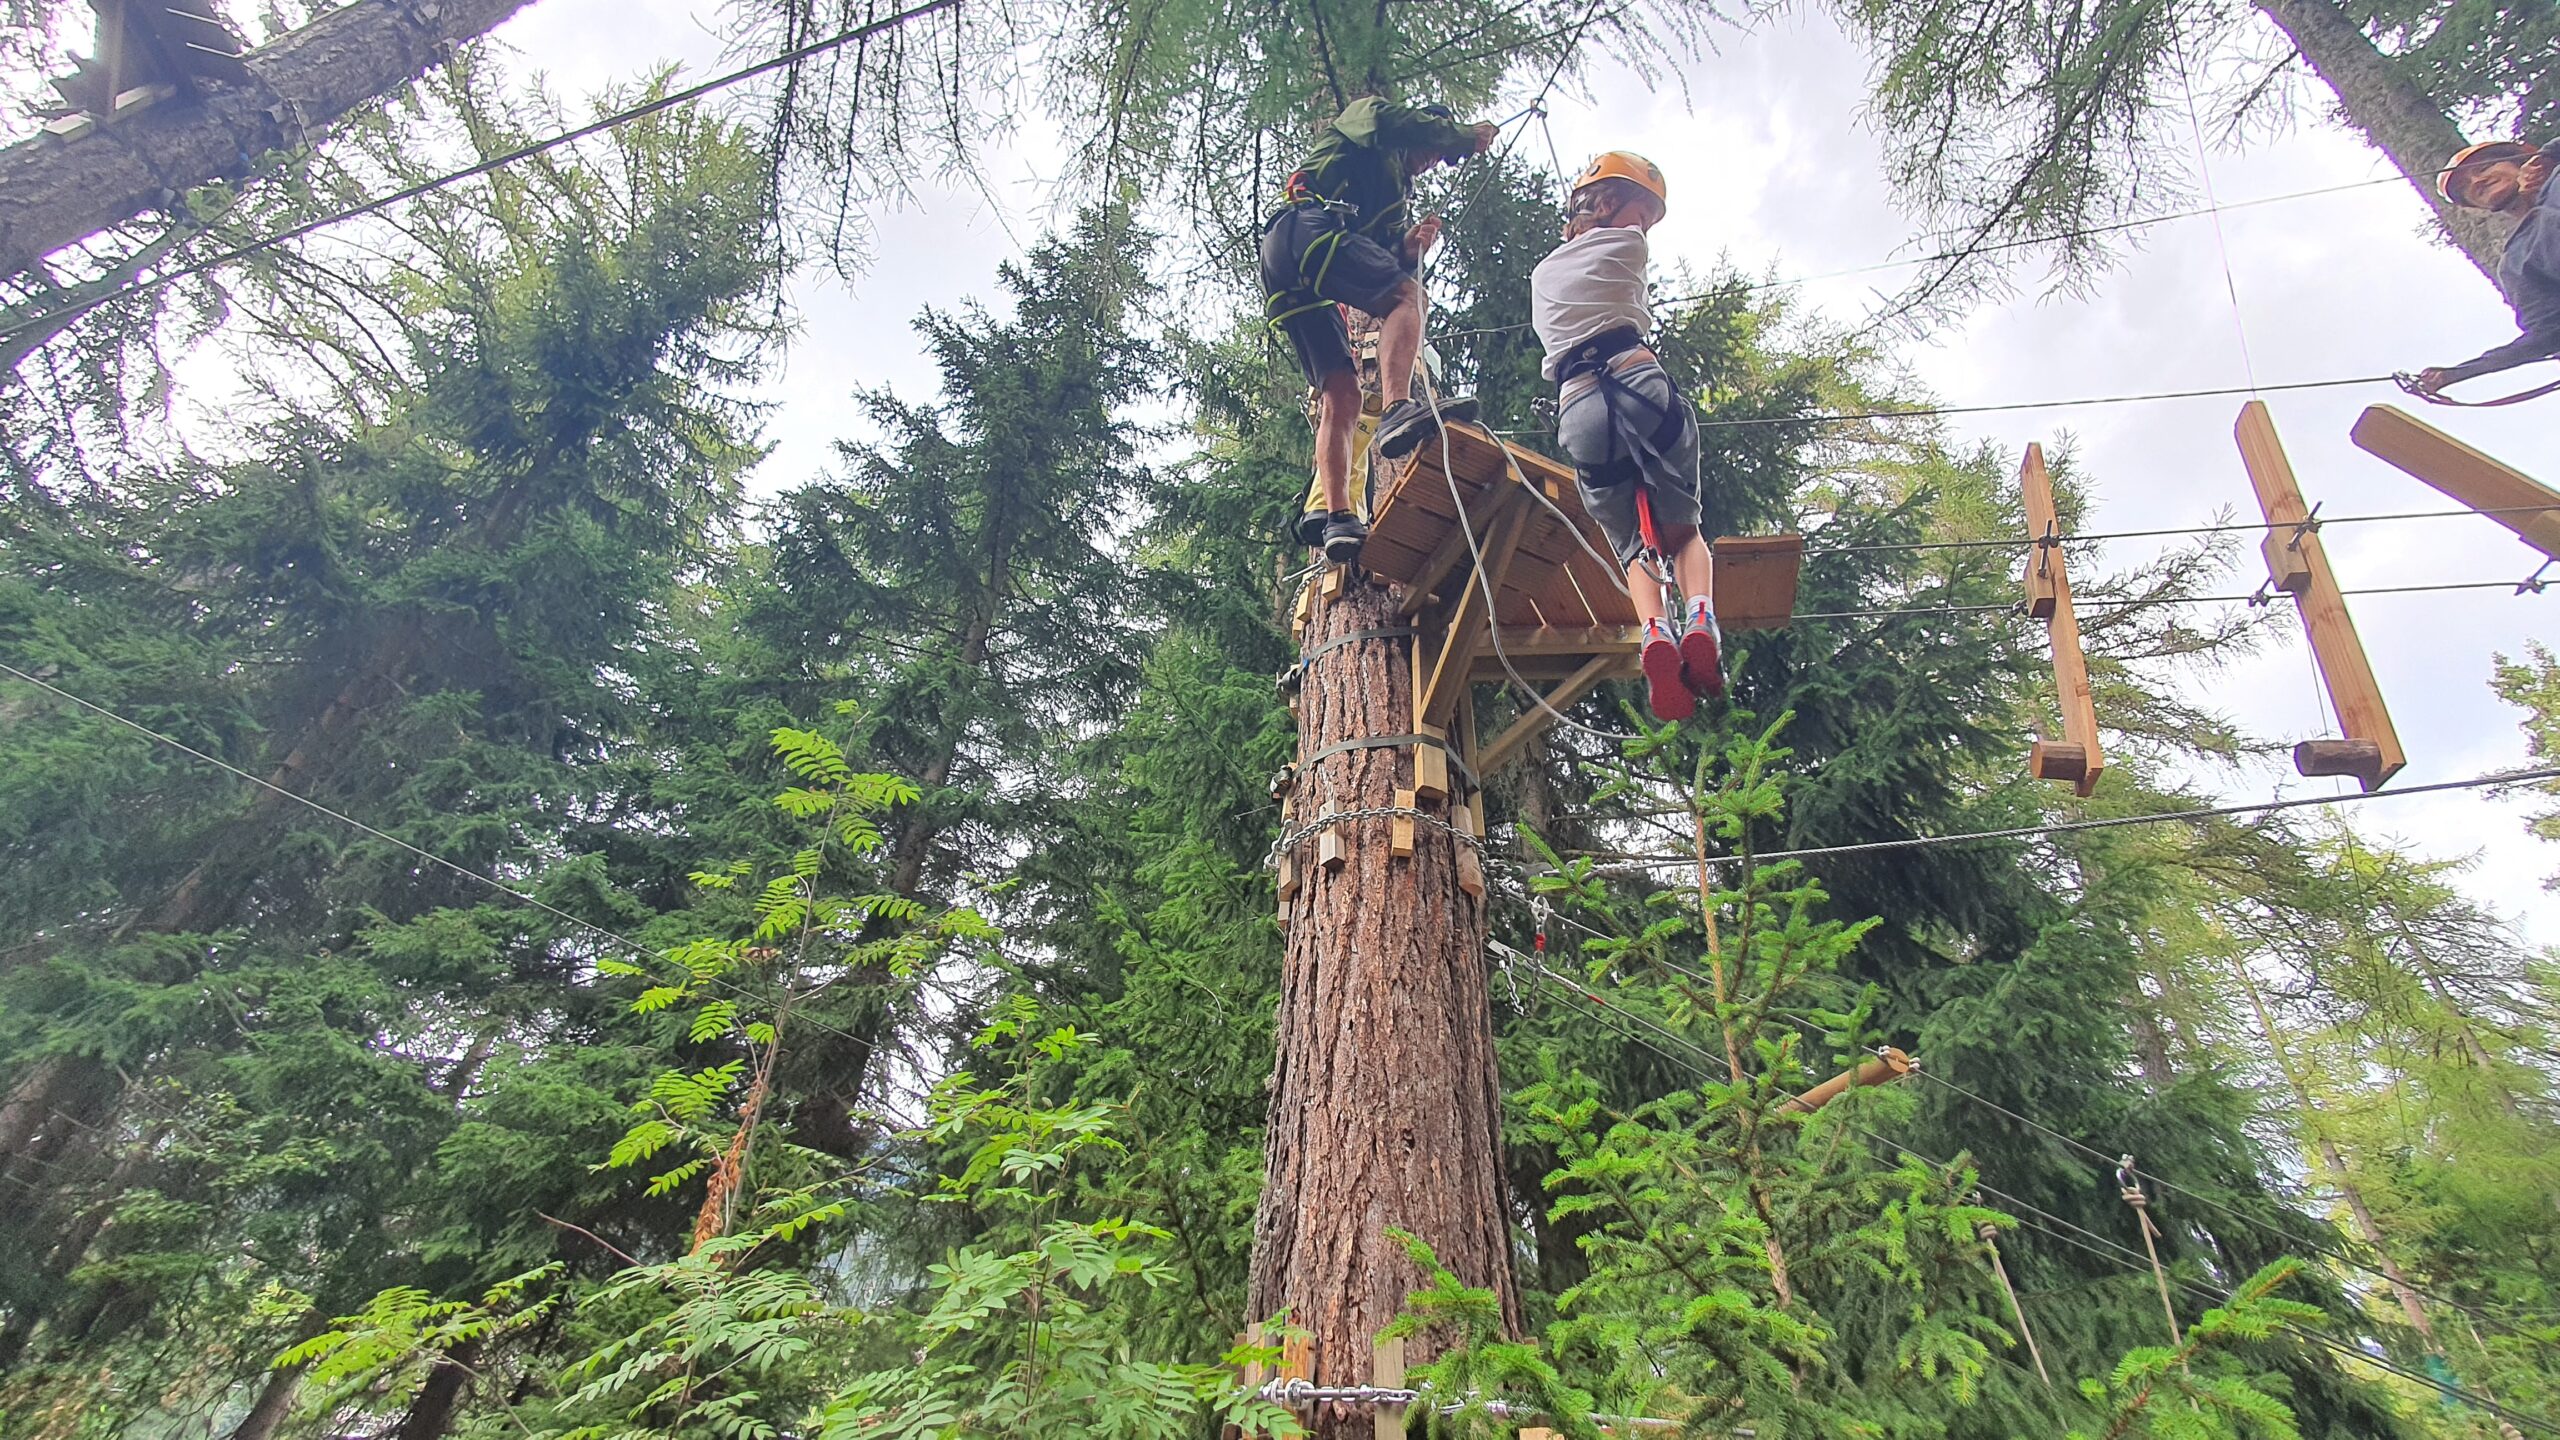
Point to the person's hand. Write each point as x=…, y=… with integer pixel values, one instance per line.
x=2433, y=379
x=1419, y=240
x=1484, y=133
x=2534, y=173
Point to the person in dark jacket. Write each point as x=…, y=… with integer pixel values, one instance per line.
x=1343, y=237
x=2510, y=177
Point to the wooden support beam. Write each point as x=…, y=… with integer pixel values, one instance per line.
x=1883, y=1069
x=2078, y=758
x=1454, y=657
x=1508, y=745
x=2353, y=692
x=2496, y=489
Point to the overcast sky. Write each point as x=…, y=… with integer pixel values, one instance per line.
x=1769, y=166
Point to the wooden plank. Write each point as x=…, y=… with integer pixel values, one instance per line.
x=1446, y=684
x=2079, y=759
x=1755, y=580
x=1421, y=581
x=2491, y=486
x=1509, y=745
x=1589, y=640
x=2353, y=692
x=1386, y=1371
x=1400, y=827
x=1470, y=868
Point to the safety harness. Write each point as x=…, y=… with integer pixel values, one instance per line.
x=1660, y=427
x=1296, y=197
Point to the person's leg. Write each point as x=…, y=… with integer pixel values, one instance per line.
x=1694, y=565
x=1400, y=341
x=1338, y=411
x=1646, y=592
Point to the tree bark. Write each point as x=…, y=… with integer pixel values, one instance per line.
x=1385, y=1105
x=2395, y=116
x=55, y=192
x=431, y=1414
x=275, y=1402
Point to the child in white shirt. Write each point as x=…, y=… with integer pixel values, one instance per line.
x=1625, y=424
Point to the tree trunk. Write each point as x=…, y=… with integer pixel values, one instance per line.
x=2395, y=116
x=56, y=192
x=1385, y=1106
x=29, y=1104
x=275, y=1402
x=2366, y=1229
x=431, y=1414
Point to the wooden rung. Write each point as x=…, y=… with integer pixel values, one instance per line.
x=1470, y=868
x=1400, y=828
x=2502, y=492
x=2287, y=570
x=1430, y=772
x=2319, y=759
x=1879, y=1070
x=1329, y=851
x=1289, y=881
x=1386, y=1371
x=2058, y=760
x=1332, y=581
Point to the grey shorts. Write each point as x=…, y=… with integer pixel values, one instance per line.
x=1615, y=430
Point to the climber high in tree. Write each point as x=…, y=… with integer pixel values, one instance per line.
x=1632, y=435
x=2510, y=177
x=1341, y=237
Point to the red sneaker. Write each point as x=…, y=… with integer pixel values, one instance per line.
x=1665, y=691
x=1702, y=655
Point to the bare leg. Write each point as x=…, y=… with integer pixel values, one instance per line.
x=1645, y=591
x=1695, y=565
x=1399, y=341
x=1337, y=411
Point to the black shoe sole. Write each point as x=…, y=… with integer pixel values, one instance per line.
x=1405, y=441
x=1344, y=550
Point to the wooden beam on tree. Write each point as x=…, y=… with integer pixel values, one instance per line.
x=2370, y=750
x=2494, y=488
x=1453, y=657
x=57, y=191
x=1882, y=1069
x=1509, y=745
x=2077, y=758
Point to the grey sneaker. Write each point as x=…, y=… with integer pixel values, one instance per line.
x=1344, y=534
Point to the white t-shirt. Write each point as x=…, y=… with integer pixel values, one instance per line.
x=1588, y=286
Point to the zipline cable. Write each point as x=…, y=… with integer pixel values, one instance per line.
x=2266, y=1226
x=519, y=896
x=617, y=119
x=2066, y=827
x=2123, y=1257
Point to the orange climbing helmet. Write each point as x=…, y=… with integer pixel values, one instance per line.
x=2451, y=181
x=1625, y=165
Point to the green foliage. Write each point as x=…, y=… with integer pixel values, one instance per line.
x=2201, y=1390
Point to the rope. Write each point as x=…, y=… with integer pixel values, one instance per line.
x=2131, y=1190
x=520, y=897
x=1989, y=1234
x=594, y=127
x=2031, y=1216
x=2111, y=822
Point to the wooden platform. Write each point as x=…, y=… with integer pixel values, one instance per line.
x=1553, y=583
x=1562, y=617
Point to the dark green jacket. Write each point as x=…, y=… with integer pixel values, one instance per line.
x=1360, y=161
